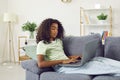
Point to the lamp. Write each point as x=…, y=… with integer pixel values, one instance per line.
x=66, y=1
x=10, y=18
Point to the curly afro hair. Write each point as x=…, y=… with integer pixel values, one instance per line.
x=43, y=32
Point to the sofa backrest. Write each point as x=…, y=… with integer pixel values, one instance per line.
x=112, y=48
x=75, y=45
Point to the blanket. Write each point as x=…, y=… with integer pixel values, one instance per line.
x=97, y=66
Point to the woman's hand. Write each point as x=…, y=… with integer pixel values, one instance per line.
x=72, y=60
x=75, y=57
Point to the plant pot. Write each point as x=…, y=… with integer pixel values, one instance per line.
x=31, y=36
x=102, y=22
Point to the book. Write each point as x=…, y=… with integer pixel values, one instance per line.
x=104, y=35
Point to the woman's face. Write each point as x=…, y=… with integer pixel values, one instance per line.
x=53, y=30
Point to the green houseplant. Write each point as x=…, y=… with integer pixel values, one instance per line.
x=102, y=16
x=29, y=26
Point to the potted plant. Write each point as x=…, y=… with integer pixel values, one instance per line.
x=29, y=26
x=102, y=18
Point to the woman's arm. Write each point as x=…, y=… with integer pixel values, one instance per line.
x=42, y=63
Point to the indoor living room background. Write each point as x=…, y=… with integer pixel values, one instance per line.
x=38, y=10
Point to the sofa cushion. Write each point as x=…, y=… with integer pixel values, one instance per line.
x=107, y=78
x=31, y=76
x=31, y=65
x=112, y=48
x=61, y=76
x=75, y=45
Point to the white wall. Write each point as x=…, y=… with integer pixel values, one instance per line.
x=41, y=9
x=3, y=8
x=68, y=14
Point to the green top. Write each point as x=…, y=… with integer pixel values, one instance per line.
x=52, y=51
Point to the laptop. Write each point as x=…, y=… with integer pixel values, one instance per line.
x=89, y=53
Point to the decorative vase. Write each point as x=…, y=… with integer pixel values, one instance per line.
x=31, y=36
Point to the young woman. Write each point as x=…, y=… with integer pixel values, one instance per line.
x=50, y=53
x=50, y=49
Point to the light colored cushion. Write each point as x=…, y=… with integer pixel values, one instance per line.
x=30, y=50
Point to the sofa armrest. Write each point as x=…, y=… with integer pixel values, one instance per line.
x=31, y=65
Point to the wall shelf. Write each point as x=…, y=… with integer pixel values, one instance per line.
x=101, y=9
x=88, y=19
x=96, y=25
x=21, y=56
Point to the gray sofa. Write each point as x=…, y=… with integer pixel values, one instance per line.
x=74, y=46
